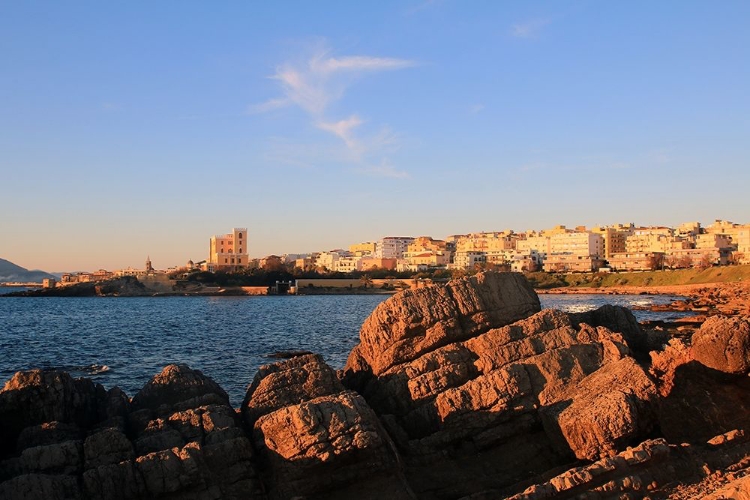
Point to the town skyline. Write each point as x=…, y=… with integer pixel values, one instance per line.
x=135, y=130
x=136, y=263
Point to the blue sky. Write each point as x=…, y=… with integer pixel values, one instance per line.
x=130, y=129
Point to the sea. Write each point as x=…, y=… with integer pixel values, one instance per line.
x=118, y=341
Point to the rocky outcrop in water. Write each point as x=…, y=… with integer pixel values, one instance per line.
x=459, y=391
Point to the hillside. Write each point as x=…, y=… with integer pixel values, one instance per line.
x=722, y=274
x=10, y=272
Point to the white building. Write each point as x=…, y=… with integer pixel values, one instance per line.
x=392, y=247
x=467, y=260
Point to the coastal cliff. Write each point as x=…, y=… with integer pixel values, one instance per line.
x=464, y=390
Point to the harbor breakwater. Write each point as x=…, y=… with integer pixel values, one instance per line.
x=458, y=390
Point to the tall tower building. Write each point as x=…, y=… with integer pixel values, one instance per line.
x=229, y=251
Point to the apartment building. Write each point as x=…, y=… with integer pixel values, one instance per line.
x=742, y=240
x=726, y=228
x=377, y=263
x=614, y=237
x=578, y=250
x=644, y=261
x=362, y=249
x=347, y=264
x=392, y=247
x=426, y=244
x=649, y=239
x=713, y=240
x=483, y=242
x=535, y=242
x=468, y=259
x=229, y=251
x=329, y=260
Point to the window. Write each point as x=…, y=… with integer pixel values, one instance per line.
x=240, y=250
x=240, y=236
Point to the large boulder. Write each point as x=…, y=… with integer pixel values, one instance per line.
x=34, y=397
x=609, y=409
x=331, y=446
x=414, y=322
x=316, y=438
x=618, y=319
x=288, y=383
x=723, y=343
x=177, y=386
x=68, y=438
x=188, y=441
x=480, y=389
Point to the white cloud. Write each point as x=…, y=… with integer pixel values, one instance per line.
x=343, y=129
x=322, y=79
x=317, y=82
x=357, y=63
x=528, y=29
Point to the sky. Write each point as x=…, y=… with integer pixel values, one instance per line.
x=136, y=129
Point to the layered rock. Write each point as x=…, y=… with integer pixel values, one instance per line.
x=487, y=402
x=179, y=438
x=316, y=438
x=703, y=387
x=419, y=321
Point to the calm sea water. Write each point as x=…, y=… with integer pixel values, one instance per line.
x=125, y=341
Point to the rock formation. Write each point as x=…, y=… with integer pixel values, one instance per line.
x=466, y=390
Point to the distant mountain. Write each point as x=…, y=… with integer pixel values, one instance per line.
x=11, y=272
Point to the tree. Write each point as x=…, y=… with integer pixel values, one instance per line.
x=736, y=258
x=705, y=262
x=366, y=280
x=684, y=262
x=656, y=261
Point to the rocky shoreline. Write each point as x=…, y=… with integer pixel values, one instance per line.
x=465, y=390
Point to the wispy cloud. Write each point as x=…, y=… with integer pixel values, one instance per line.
x=529, y=29
x=322, y=79
x=343, y=129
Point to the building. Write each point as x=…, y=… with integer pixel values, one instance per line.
x=392, y=247
x=697, y=257
x=614, y=237
x=646, y=261
x=574, y=251
x=348, y=264
x=742, y=240
x=368, y=263
x=362, y=249
x=713, y=240
x=329, y=260
x=468, y=259
x=228, y=252
x=536, y=242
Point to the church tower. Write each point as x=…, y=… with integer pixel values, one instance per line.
x=149, y=267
